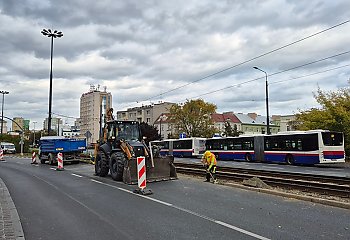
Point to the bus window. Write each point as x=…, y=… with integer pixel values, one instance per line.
x=230, y=144
x=247, y=145
x=237, y=145
x=332, y=139
x=309, y=142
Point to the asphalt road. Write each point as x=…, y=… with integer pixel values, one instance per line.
x=73, y=204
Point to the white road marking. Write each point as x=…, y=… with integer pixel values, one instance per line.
x=188, y=211
x=53, y=168
x=76, y=175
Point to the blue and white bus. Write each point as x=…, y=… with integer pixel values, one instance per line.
x=295, y=147
x=184, y=147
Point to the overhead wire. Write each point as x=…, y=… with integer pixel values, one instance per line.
x=246, y=61
x=303, y=76
x=276, y=73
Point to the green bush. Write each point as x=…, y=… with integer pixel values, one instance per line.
x=15, y=140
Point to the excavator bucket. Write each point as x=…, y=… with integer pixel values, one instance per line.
x=160, y=169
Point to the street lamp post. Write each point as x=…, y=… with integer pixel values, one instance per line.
x=52, y=35
x=267, y=101
x=34, y=122
x=161, y=118
x=2, y=109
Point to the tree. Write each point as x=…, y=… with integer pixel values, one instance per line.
x=150, y=132
x=236, y=133
x=334, y=114
x=194, y=118
x=228, y=129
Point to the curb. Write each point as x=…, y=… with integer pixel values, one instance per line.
x=290, y=195
x=10, y=224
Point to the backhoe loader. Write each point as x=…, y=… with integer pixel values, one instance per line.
x=117, y=152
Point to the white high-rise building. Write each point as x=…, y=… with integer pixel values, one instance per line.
x=92, y=105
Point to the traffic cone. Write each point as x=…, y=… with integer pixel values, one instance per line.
x=2, y=155
x=60, y=162
x=34, y=158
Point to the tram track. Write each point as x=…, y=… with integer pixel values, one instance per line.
x=325, y=185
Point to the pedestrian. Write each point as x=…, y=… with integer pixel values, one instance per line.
x=209, y=161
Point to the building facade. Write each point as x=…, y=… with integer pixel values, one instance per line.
x=148, y=114
x=21, y=124
x=286, y=122
x=70, y=132
x=220, y=119
x=165, y=126
x=4, y=126
x=56, y=124
x=253, y=123
x=93, y=104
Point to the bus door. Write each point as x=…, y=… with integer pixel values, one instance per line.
x=259, y=149
x=171, y=148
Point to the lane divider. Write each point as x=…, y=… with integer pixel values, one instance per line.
x=188, y=211
x=76, y=175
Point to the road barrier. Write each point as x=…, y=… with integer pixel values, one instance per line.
x=34, y=158
x=2, y=155
x=59, y=162
x=141, y=177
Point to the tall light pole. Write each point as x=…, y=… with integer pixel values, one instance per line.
x=34, y=122
x=2, y=108
x=52, y=35
x=161, y=118
x=267, y=101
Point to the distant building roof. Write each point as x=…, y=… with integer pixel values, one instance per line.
x=245, y=118
x=223, y=117
x=165, y=118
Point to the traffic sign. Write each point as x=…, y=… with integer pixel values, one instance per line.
x=88, y=134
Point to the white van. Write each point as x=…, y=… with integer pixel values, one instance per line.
x=8, y=147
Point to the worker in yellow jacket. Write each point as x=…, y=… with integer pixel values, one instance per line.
x=209, y=160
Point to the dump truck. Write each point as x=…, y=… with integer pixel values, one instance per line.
x=70, y=148
x=118, y=150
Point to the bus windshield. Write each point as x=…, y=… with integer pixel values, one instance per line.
x=332, y=138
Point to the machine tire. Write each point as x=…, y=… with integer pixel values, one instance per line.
x=117, y=165
x=42, y=161
x=248, y=157
x=104, y=168
x=98, y=164
x=289, y=159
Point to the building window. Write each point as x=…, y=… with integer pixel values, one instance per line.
x=148, y=112
x=148, y=120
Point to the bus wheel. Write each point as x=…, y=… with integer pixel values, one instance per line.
x=248, y=157
x=289, y=159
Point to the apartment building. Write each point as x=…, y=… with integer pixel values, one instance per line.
x=56, y=124
x=92, y=105
x=148, y=113
x=21, y=124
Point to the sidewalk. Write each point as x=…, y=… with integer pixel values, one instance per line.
x=10, y=225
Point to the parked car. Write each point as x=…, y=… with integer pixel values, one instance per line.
x=8, y=147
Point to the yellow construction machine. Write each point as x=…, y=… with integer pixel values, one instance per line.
x=119, y=148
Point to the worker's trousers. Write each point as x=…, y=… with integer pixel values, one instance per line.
x=211, y=171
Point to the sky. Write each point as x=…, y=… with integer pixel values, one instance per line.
x=172, y=51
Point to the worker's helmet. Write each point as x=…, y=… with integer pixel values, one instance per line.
x=207, y=153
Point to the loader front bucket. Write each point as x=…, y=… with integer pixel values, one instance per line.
x=162, y=169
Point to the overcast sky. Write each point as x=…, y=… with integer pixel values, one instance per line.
x=141, y=50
